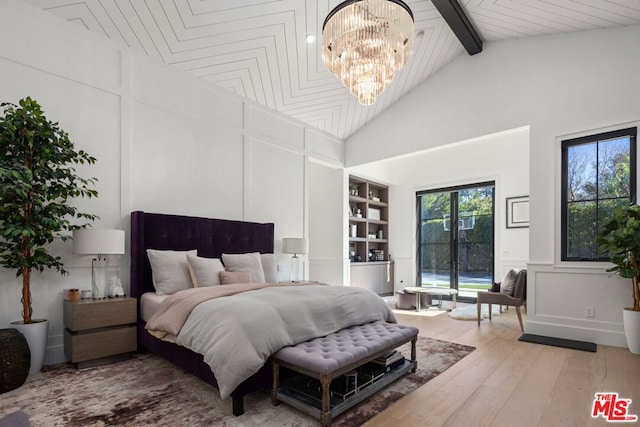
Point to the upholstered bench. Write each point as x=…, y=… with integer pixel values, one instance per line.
x=329, y=357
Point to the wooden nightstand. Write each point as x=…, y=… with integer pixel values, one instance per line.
x=99, y=331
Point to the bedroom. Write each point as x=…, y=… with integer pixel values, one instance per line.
x=152, y=143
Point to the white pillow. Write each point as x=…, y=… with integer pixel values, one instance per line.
x=250, y=262
x=270, y=267
x=204, y=271
x=170, y=270
x=508, y=282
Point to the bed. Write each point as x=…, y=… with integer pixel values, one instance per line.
x=211, y=237
x=289, y=313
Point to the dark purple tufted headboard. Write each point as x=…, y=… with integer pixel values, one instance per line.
x=211, y=237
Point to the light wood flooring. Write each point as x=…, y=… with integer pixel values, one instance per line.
x=505, y=382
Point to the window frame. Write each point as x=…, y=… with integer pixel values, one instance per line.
x=630, y=132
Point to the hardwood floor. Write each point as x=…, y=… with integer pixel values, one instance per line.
x=505, y=382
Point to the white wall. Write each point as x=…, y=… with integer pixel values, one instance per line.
x=326, y=193
x=164, y=143
x=502, y=158
x=557, y=85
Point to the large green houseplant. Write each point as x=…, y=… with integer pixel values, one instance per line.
x=620, y=240
x=38, y=180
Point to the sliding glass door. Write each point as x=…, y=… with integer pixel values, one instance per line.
x=455, y=238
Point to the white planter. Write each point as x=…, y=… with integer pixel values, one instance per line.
x=631, y=322
x=36, y=334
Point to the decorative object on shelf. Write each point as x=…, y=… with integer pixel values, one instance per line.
x=376, y=255
x=518, y=212
x=365, y=43
x=99, y=243
x=38, y=203
x=380, y=234
x=619, y=238
x=114, y=287
x=358, y=213
x=374, y=214
x=353, y=189
x=71, y=294
x=353, y=230
x=295, y=246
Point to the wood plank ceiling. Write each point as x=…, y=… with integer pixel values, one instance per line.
x=258, y=49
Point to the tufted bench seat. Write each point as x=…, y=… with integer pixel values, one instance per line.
x=328, y=357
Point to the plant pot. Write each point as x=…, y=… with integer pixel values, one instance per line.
x=15, y=359
x=36, y=334
x=631, y=322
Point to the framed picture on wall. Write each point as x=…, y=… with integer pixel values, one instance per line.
x=518, y=212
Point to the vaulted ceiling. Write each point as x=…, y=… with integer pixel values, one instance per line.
x=258, y=49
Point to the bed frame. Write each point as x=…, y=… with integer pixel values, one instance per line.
x=211, y=237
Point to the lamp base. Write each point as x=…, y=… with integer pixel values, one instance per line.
x=98, y=278
x=295, y=268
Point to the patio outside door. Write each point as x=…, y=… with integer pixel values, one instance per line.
x=456, y=238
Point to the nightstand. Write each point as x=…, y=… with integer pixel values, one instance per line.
x=99, y=331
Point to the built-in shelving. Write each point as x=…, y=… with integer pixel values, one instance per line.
x=368, y=220
x=371, y=265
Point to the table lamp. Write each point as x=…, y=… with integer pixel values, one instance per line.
x=295, y=246
x=99, y=243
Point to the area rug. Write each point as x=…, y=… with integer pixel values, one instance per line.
x=470, y=312
x=149, y=391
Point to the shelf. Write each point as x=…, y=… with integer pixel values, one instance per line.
x=357, y=219
x=358, y=199
x=376, y=203
x=312, y=405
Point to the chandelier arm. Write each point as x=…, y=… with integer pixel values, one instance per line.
x=349, y=2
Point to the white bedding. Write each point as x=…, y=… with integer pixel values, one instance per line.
x=149, y=303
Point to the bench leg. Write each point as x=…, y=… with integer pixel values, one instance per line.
x=325, y=418
x=276, y=382
x=413, y=354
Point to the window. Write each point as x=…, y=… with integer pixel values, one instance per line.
x=598, y=175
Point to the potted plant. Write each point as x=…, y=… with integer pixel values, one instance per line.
x=38, y=179
x=620, y=240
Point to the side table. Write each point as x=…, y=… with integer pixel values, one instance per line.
x=99, y=331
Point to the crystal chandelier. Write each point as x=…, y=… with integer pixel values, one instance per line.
x=365, y=42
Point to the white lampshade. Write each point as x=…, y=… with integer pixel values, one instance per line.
x=98, y=242
x=294, y=245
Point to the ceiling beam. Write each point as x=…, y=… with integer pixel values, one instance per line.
x=455, y=17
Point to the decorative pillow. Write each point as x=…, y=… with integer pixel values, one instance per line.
x=230, y=277
x=170, y=270
x=204, y=271
x=495, y=287
x=270, y=267
x=508, y=282
x=250, y=262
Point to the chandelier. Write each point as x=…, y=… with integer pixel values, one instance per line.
x=365, y=42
